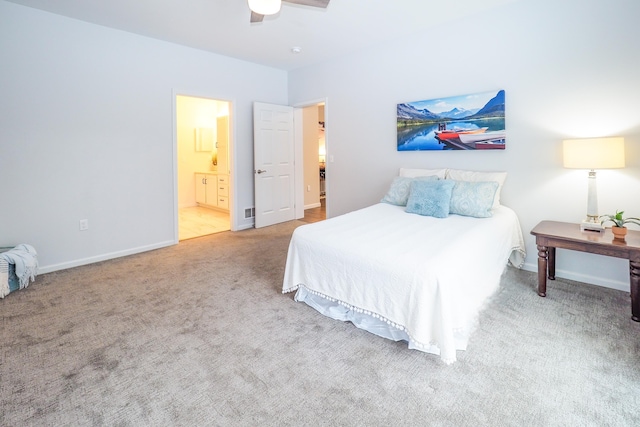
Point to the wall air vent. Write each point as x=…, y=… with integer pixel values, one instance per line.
x=249, y=213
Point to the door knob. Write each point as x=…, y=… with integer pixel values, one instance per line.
x=260, y=171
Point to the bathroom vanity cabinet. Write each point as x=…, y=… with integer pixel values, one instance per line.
x=212, y=190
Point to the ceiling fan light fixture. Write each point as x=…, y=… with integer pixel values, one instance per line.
x=265, y=7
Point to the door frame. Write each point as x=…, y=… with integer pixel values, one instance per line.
x=298, y=150
x=232, y=157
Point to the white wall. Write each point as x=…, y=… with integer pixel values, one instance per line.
x=569, y=69
x=87, y=131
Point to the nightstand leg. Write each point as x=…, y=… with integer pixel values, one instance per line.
x=634, y=269
x=552, y=263
x=543, y=255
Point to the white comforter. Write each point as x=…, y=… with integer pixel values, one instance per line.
x=424, y=276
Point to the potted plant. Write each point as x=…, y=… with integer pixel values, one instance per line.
x=618, y=229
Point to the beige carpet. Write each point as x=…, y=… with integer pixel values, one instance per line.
x=199, y=334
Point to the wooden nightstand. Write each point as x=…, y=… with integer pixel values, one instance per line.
x=551, y=235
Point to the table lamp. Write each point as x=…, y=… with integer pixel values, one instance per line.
x=265, y=7
x=592, y=154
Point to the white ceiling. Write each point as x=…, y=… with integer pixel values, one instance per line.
x=222, y=26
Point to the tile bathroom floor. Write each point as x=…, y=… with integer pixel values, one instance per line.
x=196, y=221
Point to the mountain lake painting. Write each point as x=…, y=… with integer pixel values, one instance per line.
x=466, y=122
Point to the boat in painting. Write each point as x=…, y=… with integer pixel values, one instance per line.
x=469, y=138
x=455, y=133
x=490, y=145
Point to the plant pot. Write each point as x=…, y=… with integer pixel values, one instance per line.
x=619, y=232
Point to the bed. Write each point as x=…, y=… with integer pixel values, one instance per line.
x=404, y=275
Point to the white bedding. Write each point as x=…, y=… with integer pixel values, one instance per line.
x=404, y=276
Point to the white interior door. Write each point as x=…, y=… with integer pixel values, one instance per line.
x=274, y=166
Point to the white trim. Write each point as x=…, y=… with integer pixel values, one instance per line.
x=104, y=257
x=584, y=278
x=312, y=205
x=174, y=138
x=298, y=179
x=310, y=103
x=233, y=188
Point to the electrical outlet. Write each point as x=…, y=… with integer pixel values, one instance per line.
x=84, y=224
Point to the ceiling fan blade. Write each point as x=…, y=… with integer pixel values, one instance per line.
x=315, y=3
x=256, y=17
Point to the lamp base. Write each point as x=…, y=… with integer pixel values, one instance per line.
x=587, y=225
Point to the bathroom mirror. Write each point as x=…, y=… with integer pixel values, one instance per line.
x=204, y=139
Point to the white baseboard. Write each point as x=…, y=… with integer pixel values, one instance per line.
x=103, y=257
x=313, y=205
x=593, y=280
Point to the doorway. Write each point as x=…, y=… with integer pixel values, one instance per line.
x=314, y=158
x=203, y=173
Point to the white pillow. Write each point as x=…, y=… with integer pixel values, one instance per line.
x=475, y=176
x=414, y=173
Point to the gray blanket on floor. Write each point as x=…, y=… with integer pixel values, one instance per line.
x=25, y=260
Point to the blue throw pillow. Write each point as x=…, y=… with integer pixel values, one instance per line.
x=430, y=198
x=473, y=198
x=398, y=193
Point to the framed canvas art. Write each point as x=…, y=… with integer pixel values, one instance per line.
x=466, y=122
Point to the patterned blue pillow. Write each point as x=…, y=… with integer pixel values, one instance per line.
x=399, y=191
x=430, y=198
x=473, y=198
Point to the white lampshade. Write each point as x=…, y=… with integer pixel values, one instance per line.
x=265, y=7
x=593, y=153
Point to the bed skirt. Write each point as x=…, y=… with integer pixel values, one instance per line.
x=376, y=325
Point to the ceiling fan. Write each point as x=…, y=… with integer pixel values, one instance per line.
x=260, y=8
